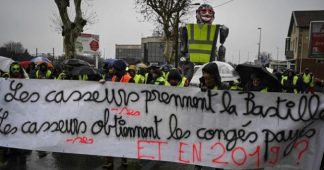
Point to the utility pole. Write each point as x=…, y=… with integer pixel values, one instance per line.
x=259, y=44
x=277, y=57
x=239, y=57
x=104, y=53
x=301, y=55
x=248, y=58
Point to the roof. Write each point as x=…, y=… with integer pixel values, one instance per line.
x=303, y=18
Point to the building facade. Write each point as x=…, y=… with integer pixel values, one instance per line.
x=152, y=49
x=129, y=52
x=298, y=42
x=149, y=51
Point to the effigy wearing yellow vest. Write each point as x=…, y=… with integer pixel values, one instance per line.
x=200, y=41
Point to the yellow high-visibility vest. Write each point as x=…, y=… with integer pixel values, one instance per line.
x=83, y=77
x=183, y=82
x=180, y=84
x=307, y=78
x=200, y=41
x=283, y=79
x=47, y=74
x=139, y=79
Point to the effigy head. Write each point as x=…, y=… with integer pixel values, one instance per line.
x=205, y=14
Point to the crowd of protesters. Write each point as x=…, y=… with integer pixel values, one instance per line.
x=166, y=75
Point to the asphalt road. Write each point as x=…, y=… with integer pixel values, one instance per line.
x=59, y=161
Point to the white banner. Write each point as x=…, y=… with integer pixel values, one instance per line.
x=218, y=129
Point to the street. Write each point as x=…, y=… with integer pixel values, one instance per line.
x=58, y=161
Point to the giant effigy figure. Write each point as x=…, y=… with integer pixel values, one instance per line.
x=199, y=41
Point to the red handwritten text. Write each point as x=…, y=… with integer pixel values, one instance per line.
x=126, y=111
x=80, y=140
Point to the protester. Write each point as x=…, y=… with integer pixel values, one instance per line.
x=165, y=70
x=13, y=155
x=156, y=76
x=132, y=70
x=278, y=74
x=120, y=74
x=187, y=68
x=66, y=73
x=149, y=76
x=83, y=77
x=307, y=79
x=175, y=79
x=16, y=71
x=141, y=74
x=43, y=72
x=289, y=82
x=211, y=79
x=31, y=70
x=235, y=85
x=108, y=71
x=256, y=84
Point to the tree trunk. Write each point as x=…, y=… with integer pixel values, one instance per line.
x=69, y=45
x=70, y=30
x=168, y=50
x=70, y=38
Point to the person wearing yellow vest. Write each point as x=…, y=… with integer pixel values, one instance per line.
x=83, y=77
x=307, y=80
x=43, y=72
x=12, y=154
x=256, y=84
x=175, y=79
x=158, y=78
x=149, y=79
x=165, y=70
x=141, y=73
x=16, y=71
x=155, y=75
x=235, y=85
x=186, y=68
x=132, y=70
x=199, y=41
x=289, y=82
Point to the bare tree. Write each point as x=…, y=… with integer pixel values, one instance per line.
x=14, y=47
x=70, y=29
x=168, y=14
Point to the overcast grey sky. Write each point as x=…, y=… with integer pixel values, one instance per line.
x=29, y=22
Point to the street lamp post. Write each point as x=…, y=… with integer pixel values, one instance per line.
x=277, y=57
x=259, y=44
